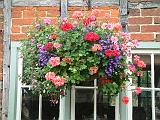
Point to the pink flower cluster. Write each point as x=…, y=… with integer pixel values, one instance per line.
x=56, y=80
x=54, y=61
x=139, y=62
x=96, y=47
x=77, y=14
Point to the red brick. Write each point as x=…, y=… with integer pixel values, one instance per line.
x=41, y=13
x=17, y=14
x=51, y=13
x=143, y=37
x=16, y=37
x=140, y=20
x=25, y=29
x=150, y=28
x=151, y=12
x=134, y=12
x=29, y=14
x=20, y=22
x=21, y=8
x=157, y=20
x=134, y=28
x=15, y=29
x=45, y=8
x=115, y=13
x=74, y=8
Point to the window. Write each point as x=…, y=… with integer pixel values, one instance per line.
x=146, y=106
x=87, y=103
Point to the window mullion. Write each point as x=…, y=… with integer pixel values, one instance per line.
x=73, y=103
x=40, y=108
x=152, y=85
x=95, y=99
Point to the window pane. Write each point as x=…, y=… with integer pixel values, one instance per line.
x=145, y=80
x=50, y=109
x=30, y=105
x=157, y=71
x=142, y=106
x=84, y=104
x=105, y=107
x=157, y=105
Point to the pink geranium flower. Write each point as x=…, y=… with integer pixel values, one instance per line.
x=47, y=21
x=96, y=47
x=117, y=27
x=114, y=39
x=141, y=64
x=137, y=90
x=58, y=81
x=57, y=45
x=50, y=76
x=54, y=61
x=132, y=68
x=77, y=14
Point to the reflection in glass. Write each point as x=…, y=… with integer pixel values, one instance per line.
x=145, y=80
x=157, y=105
x=157, y=71
x=105, y=107
x=30, y=105
x=50, y=110
x=142, y=108
x=84, y=104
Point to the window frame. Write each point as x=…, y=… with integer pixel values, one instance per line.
x=152, y=52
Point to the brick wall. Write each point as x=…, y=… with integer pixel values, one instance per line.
x=144, y=23
x=22, y=17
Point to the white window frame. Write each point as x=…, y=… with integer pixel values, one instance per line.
x=95, y=101
x=152, y=89
x=20, y=86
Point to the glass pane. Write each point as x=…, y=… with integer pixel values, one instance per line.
x=157, y=71
x=157, y=105
x=84, y=104
x=105, y=107
x=142, y=106
x=50, y=109
x=30, y=105
x=145, y=80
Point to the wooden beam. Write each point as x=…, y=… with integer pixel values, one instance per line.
x=64, y=8
x=123, y=14
x=6, y=58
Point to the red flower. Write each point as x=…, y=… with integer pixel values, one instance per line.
x=125, y=99
x=87, y=21
x=48, y=46
x=110, y=53
x=115, y=53
x=91, y=36
x=66, y=26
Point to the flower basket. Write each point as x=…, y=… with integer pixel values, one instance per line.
x=80, y=48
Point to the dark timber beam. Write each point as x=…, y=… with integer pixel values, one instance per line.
x=6, y=58
x=123, y=14
x=64, y=7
